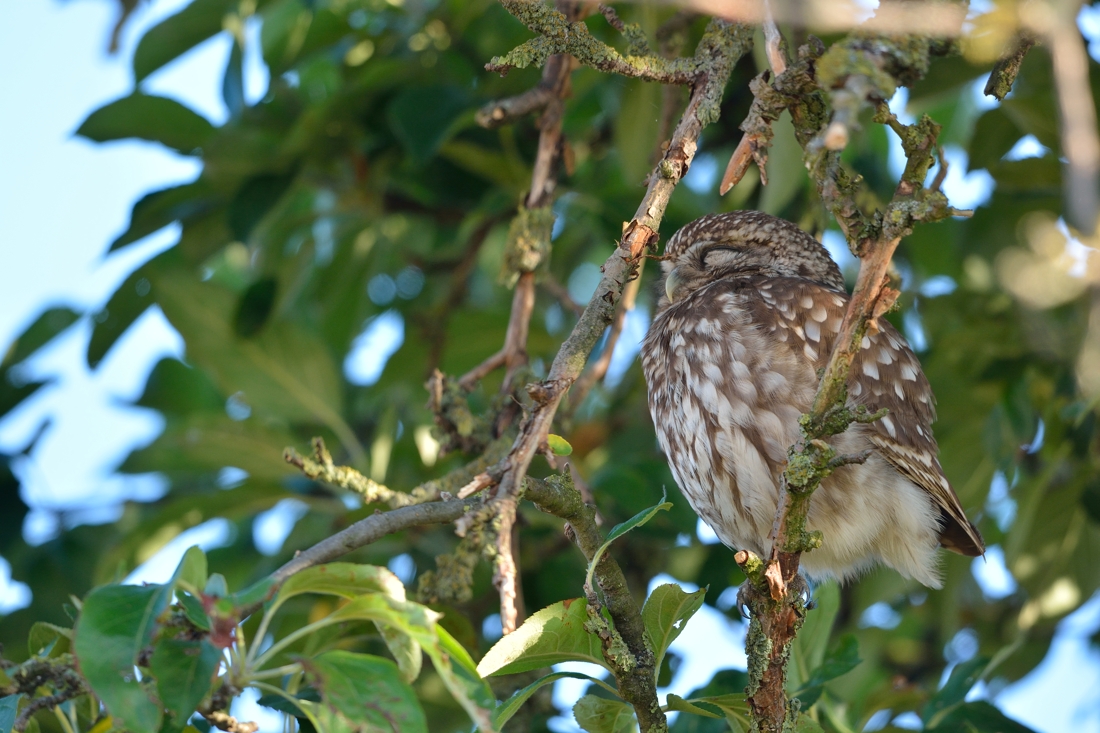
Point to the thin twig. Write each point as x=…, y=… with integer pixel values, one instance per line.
x=504, y=111
x=1078, y=120
x=371, y=529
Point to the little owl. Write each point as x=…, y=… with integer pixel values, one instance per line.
x=752, y=308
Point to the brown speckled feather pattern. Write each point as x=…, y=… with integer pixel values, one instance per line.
x=732, y=363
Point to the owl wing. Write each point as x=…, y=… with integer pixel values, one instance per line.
x=885, y=373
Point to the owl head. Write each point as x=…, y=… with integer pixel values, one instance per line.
x=743, y=244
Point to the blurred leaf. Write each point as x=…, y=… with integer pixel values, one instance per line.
x=423, y=117
x=552, y=635
x=962, y=679
x=367, y=691
x=994, y=135
x=193, y=609
x=129, y=302
x=636, y=128
x=184, y=671
x=601, y=715
x=192, y=571
x=666, y=612
x=205, y=443
x=48, y=325
x=158, y=209
x=978, y=717
x=116, y=622
x=559, y=445
x=808, y=649
x=9, y=707
x=256, y=196
x=147, y=117
x=840, y=661
x=177, y=389
x=199, y=20
x=233, y=82
x=49, y=638
x=255, y=307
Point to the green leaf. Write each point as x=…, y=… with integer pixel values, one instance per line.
x=116, y=622
x=808, y=649
x=177, y=34
x=258, y=592
x=256, y=196
x=679, y=704
x=423, y=117
x=158, y=209
x=620, y=529
x=349, y=580
x=666, y=613
x=994, y=135
x=838, y=662
x=367, y=691
x=511, y=706
x=38, y=334
x=184, y=671
x=978, y=717
x=192, y=572
x=133, y=298
x=559, y=445
x=731, y=705
x=48, y=639
x=146, y=117
x=962, y=679
x=806, y=724
x=9, y=707
x=553, y=634
x=601, y=715
x=343, y=579
x=192, y=608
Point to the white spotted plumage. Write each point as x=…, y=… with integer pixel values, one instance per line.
x=752, y=310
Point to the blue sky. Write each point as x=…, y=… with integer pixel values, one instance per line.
x=63, y=199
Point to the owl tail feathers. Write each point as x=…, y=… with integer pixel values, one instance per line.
x=961, y=536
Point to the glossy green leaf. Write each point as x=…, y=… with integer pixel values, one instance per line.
x=367, y=691
x=184, y=671
x=116, y=623
x=666, y=613
x=48, y=639
x=676, y=703
x=348, y=580
x=511, y=706
x=172, y=37
x=147, y=117
x=620, y=529
x=552, y=635
x=601, y=715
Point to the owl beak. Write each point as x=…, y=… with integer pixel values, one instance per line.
x=672, y=283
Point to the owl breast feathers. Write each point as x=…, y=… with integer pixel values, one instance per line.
x=752, y=309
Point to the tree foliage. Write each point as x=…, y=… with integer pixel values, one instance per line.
x=360, y=195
